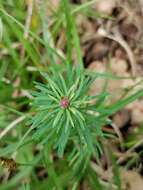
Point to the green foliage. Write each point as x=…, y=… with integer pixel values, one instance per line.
x=74, y=120
x=64, y=111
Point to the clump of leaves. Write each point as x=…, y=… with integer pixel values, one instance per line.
x=64, y=110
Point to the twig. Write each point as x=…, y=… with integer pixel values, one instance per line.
x=118, y=38
x=12, y=125
x=1, y=29
x=141, y=6
x=117, y=131
x=122, y=159
x=105, y=175
x=27, y=24
x=28, y=19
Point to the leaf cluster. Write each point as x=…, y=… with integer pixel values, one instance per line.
x=80, y=121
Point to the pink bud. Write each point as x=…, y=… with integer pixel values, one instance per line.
x=64, y=103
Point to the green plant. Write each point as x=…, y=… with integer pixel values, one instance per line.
x=65, y=110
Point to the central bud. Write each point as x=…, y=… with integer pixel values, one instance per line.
x=64, y=103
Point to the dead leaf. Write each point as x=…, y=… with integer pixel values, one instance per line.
x=131, y=180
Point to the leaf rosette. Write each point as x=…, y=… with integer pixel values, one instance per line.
x=65, y=111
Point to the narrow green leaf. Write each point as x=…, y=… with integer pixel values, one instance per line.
x=63, y=141
x=70, y=118
x=57, y=118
